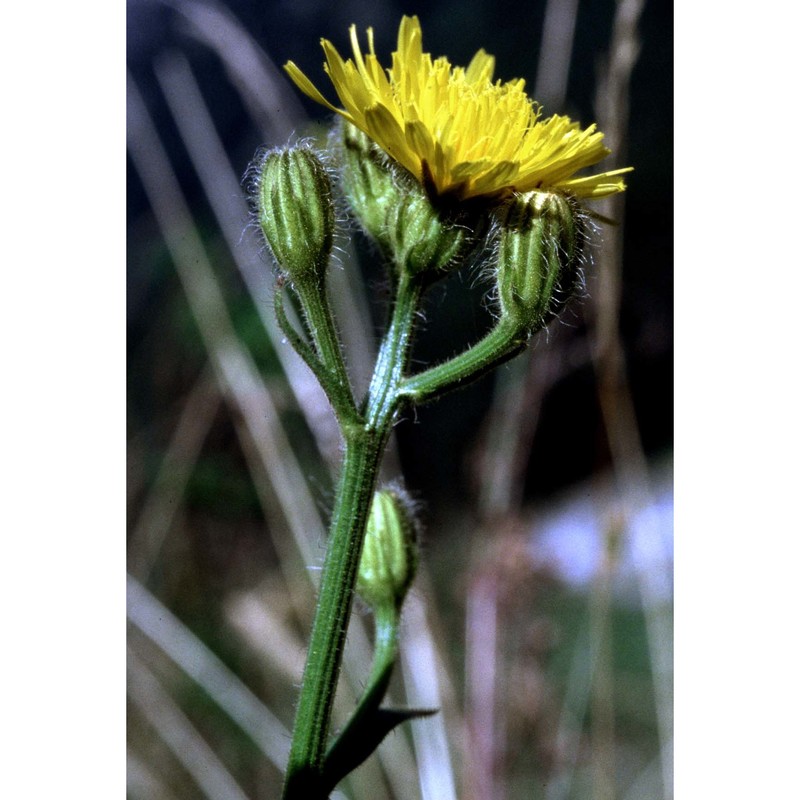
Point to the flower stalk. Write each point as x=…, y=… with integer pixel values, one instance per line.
x=437, y=163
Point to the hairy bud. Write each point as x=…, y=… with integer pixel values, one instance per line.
x=541, y=239
x=395, y=210
x=295, y=210
x=389, y=559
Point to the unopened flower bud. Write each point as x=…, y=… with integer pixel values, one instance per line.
x=395, y=210
x=369, y=182
x=541, y=237
x=420, y=238
x=389, y=559
x=295, y=209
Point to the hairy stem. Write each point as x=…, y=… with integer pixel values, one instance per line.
x=383, y=398
x=364, y=445
x=356, y=487
x=503, y=342
x=326, y=342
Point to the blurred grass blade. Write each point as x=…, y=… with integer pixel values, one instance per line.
x=482, y=686
x=178, y=733
x=271, y=102
x=616, y=401
x=161, y=627
x=603, y=750
x=225, y=194
x=142, y=784
x=420, y=672
x=233, y=365
x=164, y=499
x=555, y=54
x=648, y=783
x=574, y=706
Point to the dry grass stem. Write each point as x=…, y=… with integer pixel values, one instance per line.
x=163, y=501
x=422, y=668
x=176, y=641
x=185, y=743
x=235, y=371
x=630, y=464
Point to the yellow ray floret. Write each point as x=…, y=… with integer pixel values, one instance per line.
x=456, y=130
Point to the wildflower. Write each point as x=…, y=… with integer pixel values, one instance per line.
x=460, y=134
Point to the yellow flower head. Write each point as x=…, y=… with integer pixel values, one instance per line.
x=455, y=130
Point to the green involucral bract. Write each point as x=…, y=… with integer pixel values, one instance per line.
x=394, y=209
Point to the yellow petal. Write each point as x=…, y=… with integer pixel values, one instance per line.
x=381, y=126
x=304, y=85
x=481, y=68
x=468, y=136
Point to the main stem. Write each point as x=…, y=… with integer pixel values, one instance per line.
x=364, y=446
x=356, y=486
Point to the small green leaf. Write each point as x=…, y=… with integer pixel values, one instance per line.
x=358, y=742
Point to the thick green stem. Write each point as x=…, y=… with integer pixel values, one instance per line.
x=364, y=445
x=356, y=487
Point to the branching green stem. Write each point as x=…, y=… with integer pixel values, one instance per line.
x=364, y=445
x=365, y=435
x=326, y=340
x=383, y=397
x=325, y=358
x=301, y=346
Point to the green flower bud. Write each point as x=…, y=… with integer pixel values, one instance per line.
x=389, y=559
x=538, y=263
x=395, y=210
x=295, y=210
x=369, y=182
x=420, y=239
